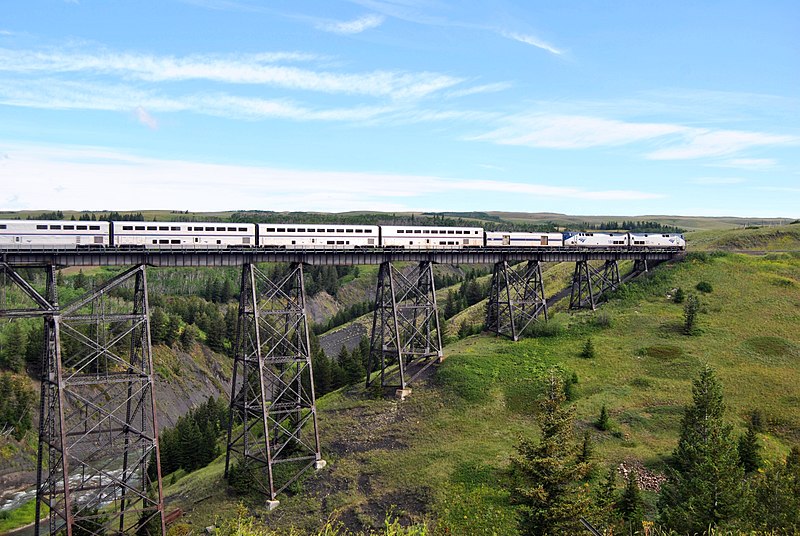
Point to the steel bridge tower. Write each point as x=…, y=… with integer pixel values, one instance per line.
x=405, y=326
x=98, y=458
x=516, y=299
x=273, y=429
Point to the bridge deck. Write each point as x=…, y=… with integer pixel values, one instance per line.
x=238, y=257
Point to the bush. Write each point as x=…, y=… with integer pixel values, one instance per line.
x=679, y=295
x=588, y=351
x=551, y=328
x=704, y=286
x=603, y=422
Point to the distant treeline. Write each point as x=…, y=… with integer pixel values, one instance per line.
x=630, y=226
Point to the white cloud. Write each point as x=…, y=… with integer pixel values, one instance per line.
x=701, y=143
x=243, y=69
x=486, y=88
x=145, y=118
x=677, y=142
x=367, y=22
x=717, y=180
x=533, y=41
x=147, y=182
x=574, y=131
x=749, y=163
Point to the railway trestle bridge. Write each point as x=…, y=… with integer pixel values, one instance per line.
x=98, y=404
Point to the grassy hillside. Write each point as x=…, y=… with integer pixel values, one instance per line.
x=772, y=238
x=442, y=455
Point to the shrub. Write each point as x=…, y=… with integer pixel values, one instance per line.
x=704, y=286
x=679, y=295
x=588, y=351
x=603, y=422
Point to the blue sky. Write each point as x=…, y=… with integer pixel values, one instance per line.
x=598, y=108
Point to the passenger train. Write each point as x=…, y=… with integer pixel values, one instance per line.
x=55, y=234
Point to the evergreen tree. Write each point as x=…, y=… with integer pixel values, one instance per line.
x=588, y=350
x=679, y=296
x=34, y=349
x=630, y=504
x=606, y=498
x=158, y=325
x=173, y=330
x=705, y=486
x=603, y=423
x=13, y=353
x=587, y=449
x=777, y=497
x=690, y=311
x=548, y=471
x=749, y=455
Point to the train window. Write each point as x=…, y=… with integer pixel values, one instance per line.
x=300, y=230
x=127, y=227
x=140, y=227
x=56, y=227
x=349, y=230
x=417, y=231
x=459, y=232
x=220, y=228
x=331, y=230
x=400, y=231
x=219, y=241
x=320, y=230
x=340, y=242
x=94, y=227
x=232, y=229
x=359, y=230
x=152, y=228
x=270, y=229
x=69, y=227
x=162, y=228
x=3, y=226
x=208, y=229
x=174, y=228
x=174, y=241
x=243, y=229
x=163, y=241
x=155, y=241
x=368, y=231
x=426, y=231
x=290, y=230
x=339, y=230
x=330, y=242
x=80, y=227
x=451, y=232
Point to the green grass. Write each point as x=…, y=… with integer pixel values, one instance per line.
x=19, y=517
x=443, y=454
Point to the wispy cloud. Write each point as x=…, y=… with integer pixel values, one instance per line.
x=361, y=24
x=701, y=143
x=241, y=69
x=485, y=88
x=676, y=142
x=573, y=131
x=710, y=181
x=6, y=32
x=532, y=40
x=84, y=169
x=145, y=118
x=748, y=163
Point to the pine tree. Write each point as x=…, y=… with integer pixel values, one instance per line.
x=548, y=471
x=630, y=505
x=690, y=311
x=603, y=423
x=705, y=486
x=588, y=350
x=777, y=497
x=749, y=455
x=13, y=352
x=606, y=499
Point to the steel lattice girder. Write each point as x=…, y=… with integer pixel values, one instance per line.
x=516, y=299
x=405, y=325
x=272, y=392
x=589, y=283
x=98, y=410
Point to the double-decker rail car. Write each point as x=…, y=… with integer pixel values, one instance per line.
x=595, y=240
x=53, y=234
x=186, y=235
x=417, y=237
x=318, y=236
x=523, y=239
x=657, y=240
